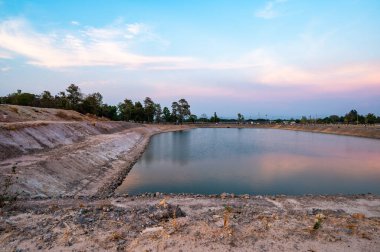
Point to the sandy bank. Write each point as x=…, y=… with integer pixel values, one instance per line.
x=370, y=131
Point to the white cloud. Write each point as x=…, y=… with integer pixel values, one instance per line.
x=5, y=69
x=90, y=46
x=269, y=11
x=74, y=22
x=136, y=28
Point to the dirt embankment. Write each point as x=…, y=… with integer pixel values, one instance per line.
x=65, y=159
x=23, y=138
x=368, y=131
x=73, y=156
x=15, y=113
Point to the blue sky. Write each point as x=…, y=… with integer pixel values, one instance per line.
x=280, y=57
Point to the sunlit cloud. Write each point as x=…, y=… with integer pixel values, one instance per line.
x=275, y=70
x=106, y=46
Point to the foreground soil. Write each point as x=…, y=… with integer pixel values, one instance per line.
x=156, y=222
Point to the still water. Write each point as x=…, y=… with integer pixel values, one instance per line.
x=256, y=161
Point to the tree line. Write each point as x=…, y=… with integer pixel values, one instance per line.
x=149, y=111
x=72, y=98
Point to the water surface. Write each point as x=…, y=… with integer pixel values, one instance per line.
x=256, y=161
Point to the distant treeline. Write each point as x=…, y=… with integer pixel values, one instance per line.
x=74, y=99
x=149, y=111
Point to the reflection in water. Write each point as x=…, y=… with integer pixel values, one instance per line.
x=257, y=161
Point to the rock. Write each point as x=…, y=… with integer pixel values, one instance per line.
x=166, y=211
x=47, y=237
x=358, y=216
x=39, y=196
x=224, y=195
x=220, y=223
x=152, y=229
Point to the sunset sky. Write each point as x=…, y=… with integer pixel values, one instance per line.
x=283, y=58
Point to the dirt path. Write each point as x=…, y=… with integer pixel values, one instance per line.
x=226, y=222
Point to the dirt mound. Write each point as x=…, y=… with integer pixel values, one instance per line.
x=15, y=113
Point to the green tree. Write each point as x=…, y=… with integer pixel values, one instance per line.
x=351, y=117
x=334, y=118
x=370, y=118
x=303, y=120
x=47, y=100
x=126, y=110
x=175, y=112
x=166, y=114
x=92, y=104
x=157, y=113
x=74, y=96
x=61, y=100
x=215, y=118
x=149, y=109
x=109, y=111
x=203, y=118
x=193, y=118
x=138, y=114
x=240, y=118
x=183, y=110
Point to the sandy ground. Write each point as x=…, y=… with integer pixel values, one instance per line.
x=224, y=222
x=66, y=172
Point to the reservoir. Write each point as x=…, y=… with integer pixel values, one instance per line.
x=256, y=161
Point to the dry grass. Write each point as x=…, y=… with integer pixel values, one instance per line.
x=14, y=109
x=63, y=115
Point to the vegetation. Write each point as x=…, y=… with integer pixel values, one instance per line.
x=6, y=195
x=72, y=98
x=150, y=112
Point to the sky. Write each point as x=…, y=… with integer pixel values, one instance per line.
x=280, y=58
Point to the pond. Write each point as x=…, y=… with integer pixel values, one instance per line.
x=256, y=161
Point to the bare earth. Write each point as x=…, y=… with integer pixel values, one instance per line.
x=66, y=171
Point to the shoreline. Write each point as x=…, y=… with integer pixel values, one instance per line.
x=120, y=163
x=372, y=132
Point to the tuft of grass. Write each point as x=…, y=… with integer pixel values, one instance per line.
x=6, y=196
x=63, y=115
x=115, y=236
x=14, y=109
x=226, y=215
x=174, y=221
x=318, y=221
